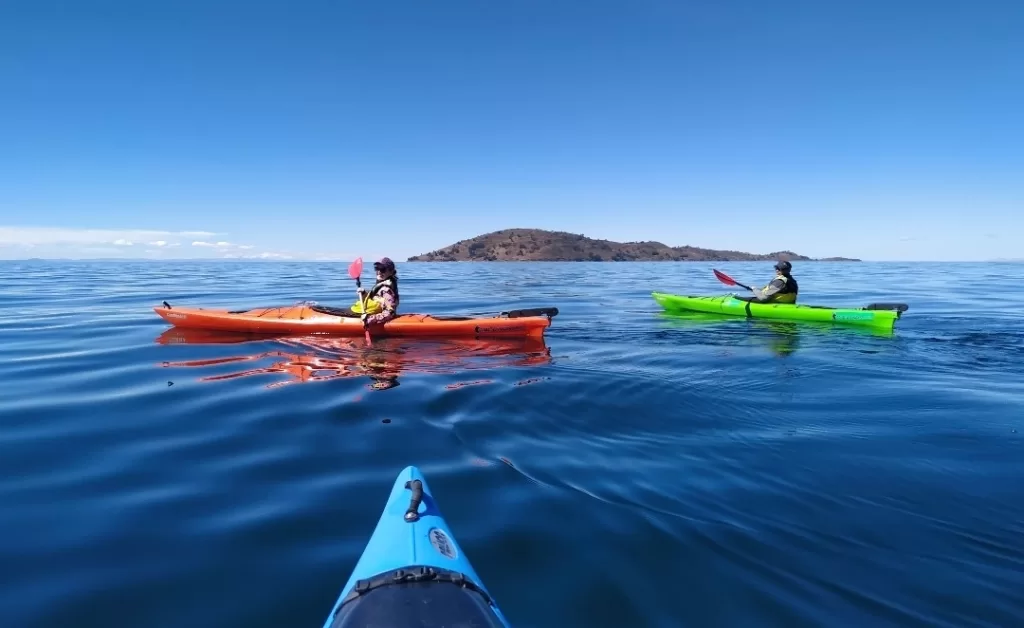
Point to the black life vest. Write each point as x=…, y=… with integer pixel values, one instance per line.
x=391, y=281
x=787, y=293
x=789, y=286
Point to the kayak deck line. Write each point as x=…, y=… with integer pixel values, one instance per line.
x=898, y=307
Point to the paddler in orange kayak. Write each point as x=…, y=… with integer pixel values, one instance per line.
x=380, y=304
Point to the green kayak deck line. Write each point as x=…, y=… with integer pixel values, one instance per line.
x=880, y=315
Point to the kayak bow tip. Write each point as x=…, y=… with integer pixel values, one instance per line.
x=412, y=570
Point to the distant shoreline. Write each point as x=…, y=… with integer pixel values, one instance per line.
x=242, y=260
x=809, y=260
x=232, y=260
x=538, y=245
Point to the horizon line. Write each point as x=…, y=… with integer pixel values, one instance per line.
x=320, y=260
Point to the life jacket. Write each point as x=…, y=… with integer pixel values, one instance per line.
x=372, y=307
x=391, y=281
x=788, y=292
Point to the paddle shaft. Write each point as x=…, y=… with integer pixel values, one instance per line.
x=362, y=302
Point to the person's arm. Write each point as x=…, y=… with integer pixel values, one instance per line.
x=386, y=298
x=769, y=290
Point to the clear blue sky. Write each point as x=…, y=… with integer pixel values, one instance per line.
x=867, y=128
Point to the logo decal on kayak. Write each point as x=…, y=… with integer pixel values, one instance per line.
x=852, y=316
x=499, y=329
x=442, y=543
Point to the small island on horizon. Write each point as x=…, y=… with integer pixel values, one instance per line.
x=539, y=245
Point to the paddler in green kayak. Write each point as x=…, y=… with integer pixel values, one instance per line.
x=781, y=289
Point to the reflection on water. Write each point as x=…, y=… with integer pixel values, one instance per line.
x=321, y=358
x=783, y=338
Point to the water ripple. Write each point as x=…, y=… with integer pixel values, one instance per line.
x=634, y=469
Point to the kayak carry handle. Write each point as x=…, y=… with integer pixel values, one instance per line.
x=899, y=307
x=411, y=513
x=550, y=312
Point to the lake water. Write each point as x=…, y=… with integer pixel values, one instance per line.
x=636, y=470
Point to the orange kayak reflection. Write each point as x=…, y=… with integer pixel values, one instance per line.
x=319, y=358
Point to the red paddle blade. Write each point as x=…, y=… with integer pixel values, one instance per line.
x=355, y=269
x=726, y=279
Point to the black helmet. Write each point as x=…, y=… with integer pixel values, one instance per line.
x=784, y=267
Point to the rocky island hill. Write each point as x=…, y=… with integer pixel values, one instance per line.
x=538, y=245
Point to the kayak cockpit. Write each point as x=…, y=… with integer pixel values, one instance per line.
x=426, y=597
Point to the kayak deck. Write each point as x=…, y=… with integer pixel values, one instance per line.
x=412, y=571
x=308, y=318
x=879, y=315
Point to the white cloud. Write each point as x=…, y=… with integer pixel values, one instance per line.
x=221, y=245
x=63, y=243
x=58, y=235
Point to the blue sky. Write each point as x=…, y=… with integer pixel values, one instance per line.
x=874, y=129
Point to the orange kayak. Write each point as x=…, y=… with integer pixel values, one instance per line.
x=305, y=318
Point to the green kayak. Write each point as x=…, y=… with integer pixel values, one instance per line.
x=877, y=315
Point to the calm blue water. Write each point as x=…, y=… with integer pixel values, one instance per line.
x=639, y=470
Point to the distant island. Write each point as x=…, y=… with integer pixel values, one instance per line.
x=538, y=245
